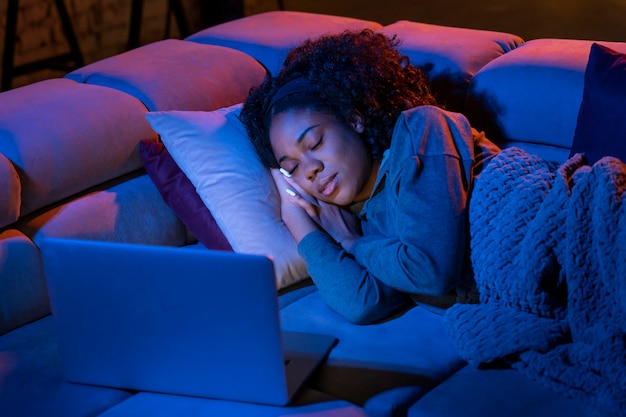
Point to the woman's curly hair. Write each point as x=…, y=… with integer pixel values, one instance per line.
x=354, y=71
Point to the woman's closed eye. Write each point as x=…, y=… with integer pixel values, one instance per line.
x=289, y=171
x=318, y=143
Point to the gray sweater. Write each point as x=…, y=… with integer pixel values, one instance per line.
x=414, y=223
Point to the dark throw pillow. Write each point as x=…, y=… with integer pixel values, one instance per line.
x=181, y=196
x=601, y=125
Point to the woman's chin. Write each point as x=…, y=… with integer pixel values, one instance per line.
x=337, y=200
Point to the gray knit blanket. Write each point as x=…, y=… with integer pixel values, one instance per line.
x=548, y=247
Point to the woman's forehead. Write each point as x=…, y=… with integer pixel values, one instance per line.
x=295, y=124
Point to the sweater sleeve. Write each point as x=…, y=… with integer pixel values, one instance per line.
x=420, y=249
x=345, y=285
x=425, y=255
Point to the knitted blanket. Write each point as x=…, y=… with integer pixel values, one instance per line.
x=548, y=247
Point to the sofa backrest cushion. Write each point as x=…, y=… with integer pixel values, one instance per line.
x=10, y=192
x=601, y=124
x=269, y=36
x=177, y=75
x=530, y=97
x=64, y=137
x=128, y=209
x=450, y=56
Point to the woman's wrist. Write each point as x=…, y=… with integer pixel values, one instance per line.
x=300, y=229
x=347, y=243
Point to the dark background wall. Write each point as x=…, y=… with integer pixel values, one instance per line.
x=589, y=19
x=102, y=26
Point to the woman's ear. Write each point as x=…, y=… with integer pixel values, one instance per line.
x=356, y=121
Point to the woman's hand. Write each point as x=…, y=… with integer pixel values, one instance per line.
x=338, y=222
x=294, y=213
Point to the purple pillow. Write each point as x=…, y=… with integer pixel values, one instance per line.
x=181, y=196
x=601, y=125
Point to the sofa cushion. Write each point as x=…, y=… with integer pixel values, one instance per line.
x=269, y=36
x=64, y=137
x=23, y=294
x=10, y=192
x=601, y=124
x=214, y=152
x=181, y=196
x=530, y=97
x=130, y=210
x=473, y=392
x=383, y=366
x=174, y=74
x=32, y=381
x=450, y=56
x=150, y=404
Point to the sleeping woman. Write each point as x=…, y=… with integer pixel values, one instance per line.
x=374, y=177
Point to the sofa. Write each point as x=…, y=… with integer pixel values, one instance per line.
x=97, y=155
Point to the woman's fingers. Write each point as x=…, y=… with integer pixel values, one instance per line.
x=296, y=195
x=311, y=209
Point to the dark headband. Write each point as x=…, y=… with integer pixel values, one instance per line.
x=295, y=86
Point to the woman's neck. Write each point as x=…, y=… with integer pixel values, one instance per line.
x=368, y=187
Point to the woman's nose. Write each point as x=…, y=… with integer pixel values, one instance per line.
x=312, y=166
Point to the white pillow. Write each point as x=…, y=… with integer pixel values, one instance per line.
x=214, y=152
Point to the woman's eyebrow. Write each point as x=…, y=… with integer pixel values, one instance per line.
x=299, y=140
x=304, y=133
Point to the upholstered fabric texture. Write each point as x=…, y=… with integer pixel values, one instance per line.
x=121, y=213
x=10, y=192
x=601, y=125
x=412, y=349
x=69, y=125
x=184, y=67
x=30, y=354
x=214, y=152
x=466, y=52
x=549, y=81
x=473, y=392
x=23, y=297
x=308, y=404
x=269, y=36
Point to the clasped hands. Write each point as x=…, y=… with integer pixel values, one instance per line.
x=303, y=214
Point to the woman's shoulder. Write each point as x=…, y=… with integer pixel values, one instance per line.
x=434, y=118
x=426, y=110
x=430, y=130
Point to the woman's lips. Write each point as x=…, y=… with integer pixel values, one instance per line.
x=328, y=185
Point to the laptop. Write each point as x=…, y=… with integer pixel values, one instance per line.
x=186, y=321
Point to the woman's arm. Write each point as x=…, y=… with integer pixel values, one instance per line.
x=345, y=286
